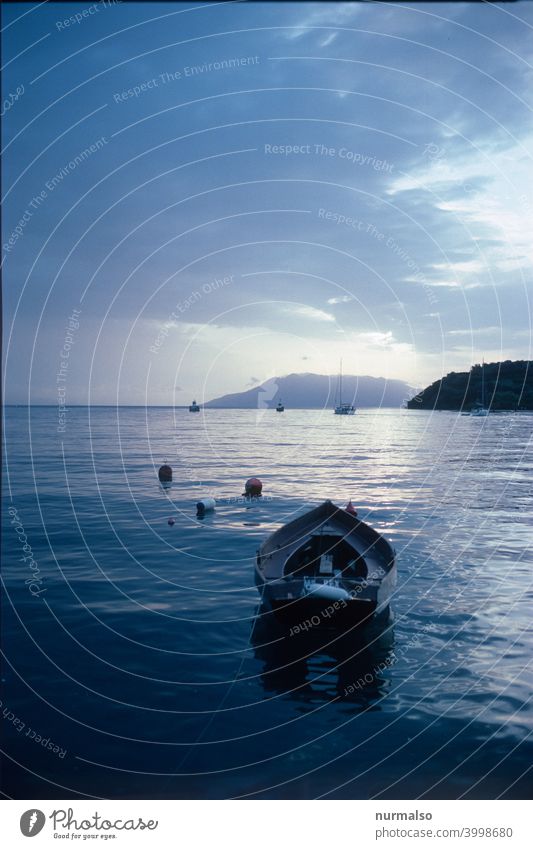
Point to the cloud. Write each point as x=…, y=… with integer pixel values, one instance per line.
x=312, y=313
x=445, y=283
x=377, y=338
x=486, y=189
x=324, y=14
x=341, y=299
x=328, y=39
x=474, y=331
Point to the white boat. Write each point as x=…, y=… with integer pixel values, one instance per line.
x=194, y=408
x=340, y=408
x=326, y=567
x=344, y=410
x=480, y=409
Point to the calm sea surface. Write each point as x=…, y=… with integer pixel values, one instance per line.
x=140, y=666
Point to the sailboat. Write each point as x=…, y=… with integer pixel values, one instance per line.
x=343, y=409
x=480, y=409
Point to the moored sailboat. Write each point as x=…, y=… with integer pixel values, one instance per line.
x=479, y=409
x=340, y=408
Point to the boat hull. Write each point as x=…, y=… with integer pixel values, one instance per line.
x=292, y=605
x=308, y=612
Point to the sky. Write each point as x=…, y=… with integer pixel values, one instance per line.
x=200, y=197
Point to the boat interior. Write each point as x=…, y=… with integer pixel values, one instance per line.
x=326, y=555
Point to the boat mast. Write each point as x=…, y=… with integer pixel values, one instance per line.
x=340, y=384
x=483, y=382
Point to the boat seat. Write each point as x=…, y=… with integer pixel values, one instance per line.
x=325, y=556
x=356, y=568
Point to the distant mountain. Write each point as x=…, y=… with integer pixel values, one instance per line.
x=309, y=391
x=508, y=386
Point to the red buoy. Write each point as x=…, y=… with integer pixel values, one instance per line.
x=252, y=488
x=350, y=508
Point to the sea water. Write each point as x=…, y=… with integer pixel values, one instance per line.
x=140, y=665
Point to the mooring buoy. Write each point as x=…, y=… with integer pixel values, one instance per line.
x=204, y=506
x=165, y=474
x=252, y=488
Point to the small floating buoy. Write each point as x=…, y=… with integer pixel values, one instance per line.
x=171, y=522
x=205, y=505
x=252, y=488
x=165, y=474
x=350, y=508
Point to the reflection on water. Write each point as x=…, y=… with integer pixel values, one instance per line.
x=322, y=664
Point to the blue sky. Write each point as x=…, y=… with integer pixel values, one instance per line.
x=228, y=192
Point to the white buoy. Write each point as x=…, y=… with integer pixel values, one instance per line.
x=327, y=592
x=205, y=505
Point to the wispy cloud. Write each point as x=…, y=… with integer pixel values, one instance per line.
x=341, y=299
x=310, y=312
x=324, y=14
x=474, y=331
x=377, y=338
x=328, y=39
x=471, y=266
x=475, y=187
